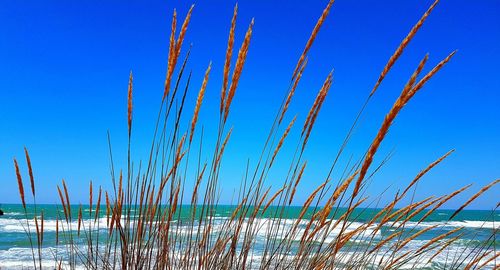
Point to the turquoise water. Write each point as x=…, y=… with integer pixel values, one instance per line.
x=480, y=228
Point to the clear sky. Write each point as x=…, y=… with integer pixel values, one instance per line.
x=64, y=68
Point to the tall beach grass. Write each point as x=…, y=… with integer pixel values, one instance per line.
x=142, y=223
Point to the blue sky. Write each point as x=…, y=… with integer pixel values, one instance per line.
x=64, y=68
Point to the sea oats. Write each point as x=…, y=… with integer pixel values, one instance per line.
x=292, y=90
x=299, y=177
x=20, y=183
x=227, y=62
x=475, y=196
x=399, y=51
x=423, y=172
x=312, y=37
x=171, y=56
x=272, y=199
x=199, y=100
x=238, y=69
x=129, y=103
x=282, y=139
x=30, y=171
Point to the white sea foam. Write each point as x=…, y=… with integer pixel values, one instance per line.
x=19, y=225
x=20, y=258
x=263, y=225
x=472, y=224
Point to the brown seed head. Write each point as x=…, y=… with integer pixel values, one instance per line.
x=30, y=171
x=423, y=172
x=199, y=100
x=475, y=196
x=182, y=33
x=292, y=91
x=443, y=201
x=68, y=204
x=63, y=203
x=342, y=188
x=171, y=56
x=312, y=37
x=42, y=227
x=227, y=62
x=280, y=143
x=407, y=93
x=399, y=51
x=299, y=177
x=242, y=54
x=129, y=103
x=57, y=230
x=91, y=195
x=20, y=183
x=79, y=219
x=272, y=199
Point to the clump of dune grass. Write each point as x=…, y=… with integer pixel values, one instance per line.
x=148, y=227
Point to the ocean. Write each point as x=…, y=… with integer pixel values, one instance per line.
x=480, y=229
